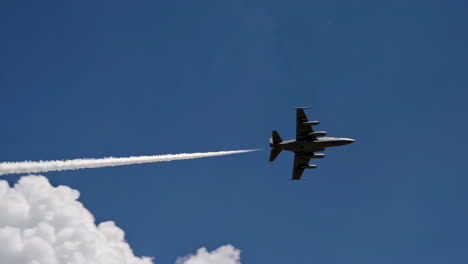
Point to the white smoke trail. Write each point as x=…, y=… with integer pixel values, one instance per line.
x=59, y=165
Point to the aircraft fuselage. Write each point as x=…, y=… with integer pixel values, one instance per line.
x=312, y=145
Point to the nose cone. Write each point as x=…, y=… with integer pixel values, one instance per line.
x=347, y=141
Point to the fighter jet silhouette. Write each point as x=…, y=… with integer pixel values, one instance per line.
x=305, y=145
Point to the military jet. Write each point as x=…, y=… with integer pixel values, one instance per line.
x=306, y=144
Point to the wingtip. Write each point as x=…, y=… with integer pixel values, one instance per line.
x=302, y=107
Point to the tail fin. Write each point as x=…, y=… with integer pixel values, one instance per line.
x=276, y=139
x=274, y=153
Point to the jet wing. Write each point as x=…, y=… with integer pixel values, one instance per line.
x=300, y=161
x=302, y=130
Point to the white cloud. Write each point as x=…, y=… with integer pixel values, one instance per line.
x=42, y=224
x=223, y=255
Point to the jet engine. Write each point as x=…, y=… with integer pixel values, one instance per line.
x=311, y=123
x=310, y=166
x=318, y=133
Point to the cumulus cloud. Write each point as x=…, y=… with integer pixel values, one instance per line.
x=223, y=255
x=42, y=224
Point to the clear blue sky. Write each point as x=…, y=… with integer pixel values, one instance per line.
x=121, y=78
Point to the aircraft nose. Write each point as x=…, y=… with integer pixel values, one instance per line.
x=349, y=140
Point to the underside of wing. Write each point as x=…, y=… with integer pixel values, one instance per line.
x=301, y=162
x=303, y=126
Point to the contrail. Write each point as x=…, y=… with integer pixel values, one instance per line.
x=59, y=165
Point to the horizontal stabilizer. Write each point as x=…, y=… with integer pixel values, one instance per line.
x=275, y=137
x=274, y=153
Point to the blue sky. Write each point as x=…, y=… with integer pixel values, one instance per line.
x=114, y=78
